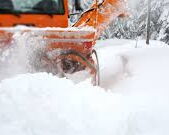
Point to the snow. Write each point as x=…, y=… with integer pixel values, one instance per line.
x=24, y=28
x=133, y=97
x=126, y=57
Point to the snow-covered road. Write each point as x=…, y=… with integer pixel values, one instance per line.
x=133, y=98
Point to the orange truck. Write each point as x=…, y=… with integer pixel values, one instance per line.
x=71, y=46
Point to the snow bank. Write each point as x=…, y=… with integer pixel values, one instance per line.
x=44, y=104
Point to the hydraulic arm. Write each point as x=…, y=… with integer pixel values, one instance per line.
x=101, y=14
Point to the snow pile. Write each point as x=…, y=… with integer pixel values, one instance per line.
x=135, y=101
x=73, y=29
x=43, y=104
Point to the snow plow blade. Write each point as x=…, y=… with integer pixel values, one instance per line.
x=64, y=50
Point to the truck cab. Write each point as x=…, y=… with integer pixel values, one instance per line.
x=37, y=13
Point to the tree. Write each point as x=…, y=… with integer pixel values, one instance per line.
x=78, y=5
x=148, y=22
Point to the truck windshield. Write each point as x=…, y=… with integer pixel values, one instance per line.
x=32, y=6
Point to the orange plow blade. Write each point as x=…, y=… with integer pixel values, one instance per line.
x=64, y=50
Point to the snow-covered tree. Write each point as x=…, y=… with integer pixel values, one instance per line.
x=164, y=21
x=135, y=25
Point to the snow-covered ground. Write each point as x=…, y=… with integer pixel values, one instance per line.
x=133, y=98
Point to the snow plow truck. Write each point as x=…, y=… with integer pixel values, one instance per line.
x=68, y=49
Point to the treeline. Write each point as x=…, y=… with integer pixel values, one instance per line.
x=134, y=26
